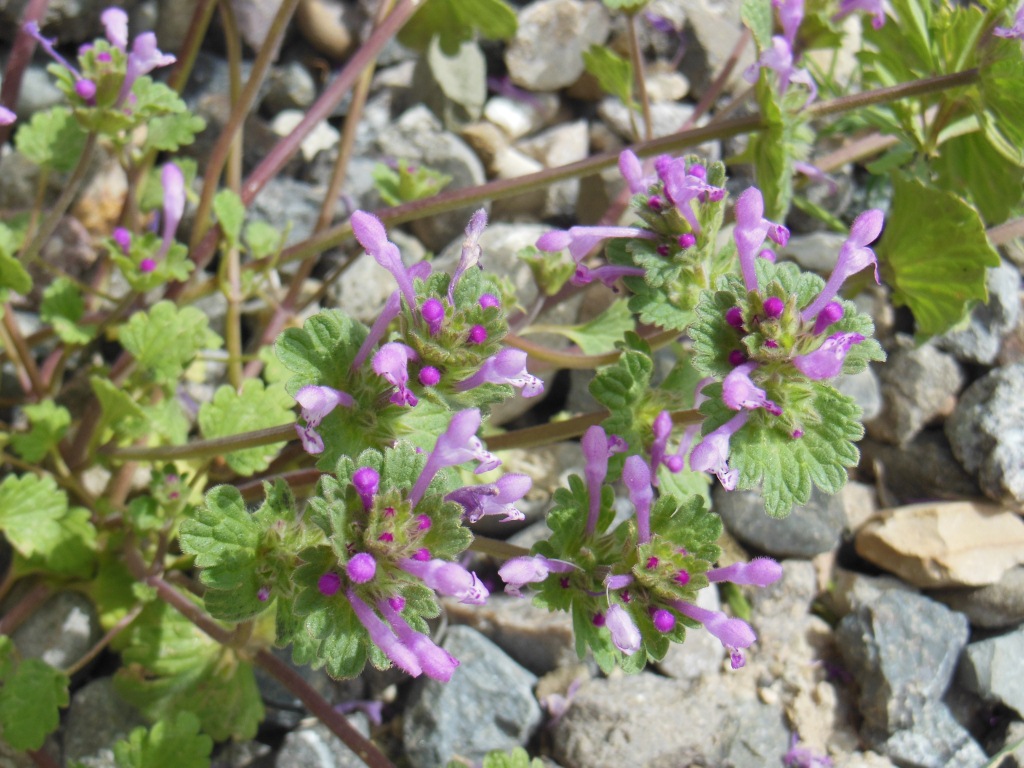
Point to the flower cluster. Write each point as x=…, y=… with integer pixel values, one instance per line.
x=779, y=57
x=394, y=530
x=637, y=583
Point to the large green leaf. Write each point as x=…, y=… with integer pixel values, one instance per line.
x=255, y=407
x=30, y=697
x=456, y=22
x=934, y=255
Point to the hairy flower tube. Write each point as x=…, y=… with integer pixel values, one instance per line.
x=826, y=362
x=447, y=578
x=471, y=251
x=496, y=498
x=316, y=403
x=391, y=363
x=1015, y=32
x=854, y=255
x=582, y=240
x=683, y=184
x=372, y=236
x=739, y=392
x=779, y=59
x=751, y=230
x=712, y=453
x=735, y=634
x=457, y=445
x=530, y=569
x=874, y=8
x=6, y=116
x=506, y=367
x=173, y=182
x=623, y=629
x=636, y=475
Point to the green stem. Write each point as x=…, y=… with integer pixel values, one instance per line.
x=203, y=448
x=501, y=550
x=638, y=75
x=24, y=608
x=123, y=623
x=545, y=434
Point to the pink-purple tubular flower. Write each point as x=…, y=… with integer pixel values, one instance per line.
x=791, y=14
x=596, y=450
x=173, y=182
x=497, y=498
x=530, y=570
x=384, y=638
x=733, y=633
x=712, y=452
x=372, y=236
x=470, y=250
x=457, y=445
x=6, y=116
x=366, y=481
x=636, y=476
x=115, y=23
x=316, y=402
x=739, y=392
x=759, y=572
x=625, y=634
x=436, y=662
x=750, y=232
x=392, y=363
x=1016, y=32
x=506, y=367
x=447, y=578
x=582, y=240
x=826, y=361
x=361, y=568
x=854, y=255
x=875, y=8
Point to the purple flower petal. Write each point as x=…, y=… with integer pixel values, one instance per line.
x=115, y=22
x=826, y=361
x=759, y=572
x=447, y=578
x=625, y=634
x=506, y=367
x=372, y=236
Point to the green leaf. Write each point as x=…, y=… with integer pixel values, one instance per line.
x=321, y=352
x=629, y=6
x=172, y=132
x=169, y=743
x=230, y=211
x=517, y=758
x=455, y=21
x=408, y=182
x=602, y=333
x=73, y=556
x=1002, y=97
x=934, y=255
x=52, y=139
x=170, y=665
x=623, y=389
x=165, y=339
x=255, y=407
x=49, y=422
x=12, y=274
x=970, y=164
x=63, y=308
x=31, y=511
x=263, y=239
x=30, y=700
x=613, y=73
x=758, y=18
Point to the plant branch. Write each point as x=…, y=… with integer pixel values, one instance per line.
x=638, y=75
x=123, y=623
x=496, y=548
x=545, y=434
x=204, y=448
x=18, y=60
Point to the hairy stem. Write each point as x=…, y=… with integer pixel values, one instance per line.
x=199, y=449
x=496, y=548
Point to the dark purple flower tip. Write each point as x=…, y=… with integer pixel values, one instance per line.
x=361, y=568
x=652, y=563
x=687, y=241
x=477, y=334
x=663, y=620
x=796, y=434
x=737, y=357
x=598, y=620
x=771, y=343
x=699, y=171
x=489, y=300
x=830, y=313
x=397, y=603
x=433, y=313
x=86, y=89
x=263, y=594
x=429, y=376
x=564, y=582
x=367, y=481
x=663, y=250
x=329, y=584
x=422, y=554
x=734, y=317
x=654, y=203
x=123, y=238
x=147, y=265
x=675, y=464
x=389, y=512
x=773, y=307
x=767, y=254
x=683, y=577
x=387, y=537
x=103, y=56
x=423, y=522
x=736, y=658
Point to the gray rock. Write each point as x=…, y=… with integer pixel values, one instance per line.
x=995, y=606
x=754, y=736
x=865, y=389
x=925, y=468
x=852, y=591
x=555, y=147
x=254, y=18
x=170, y=21
x=418, y=136
x=547, y=51
x=992, y=669
x=651, y=721
x=538, y=639
x=980, y=341
x=919, y=384
x=96, y=719
x=521, y=117
x=317, y=747
x=283, y=709
x=932, y=739
x=666, y=118
x=488, y=704
x=782, y=604
x=289, y=86
x=711, y=32
x=1014, y=736
x=245, y=754
x=38, y=92
x=290, y=206
x=986, y=432
x=60, y=631
x=902, y=649
x=70, y=21
x=808, y=531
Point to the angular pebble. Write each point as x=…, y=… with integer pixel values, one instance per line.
x=992, y=668
x=808, y=531
x=995, y=606
x=547, y=51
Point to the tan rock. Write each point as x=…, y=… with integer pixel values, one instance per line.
x=941, y=544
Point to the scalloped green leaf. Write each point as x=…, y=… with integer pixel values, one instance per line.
x=165, y=339
x=52, y=139
x=457, y=21
x=934, y=254
x=30, y=701
x=256, y=407
x=170, y=743
x=49, y=423
x=63, y=307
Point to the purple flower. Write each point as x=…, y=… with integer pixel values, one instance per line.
x=803, y=757
x=470, y=250
x=814, y=173
x=371, y=235
x=582, y=240
x=854, y=255
x=750, y=232
x=384, y=638
x=436, y=662
x=173, y=182
x=633, y=172
x=739, y=392
x=596, y=450
x=447, y=578
x=609, y=274
x=143, y=59
x=530, y=570
x=47, y=44
x=506, y=367
x=663, y=620
x=874, y=7
x=625, y=635
x=429, y=376
x=316, y=402
x=683, y=186
x=457, y=445
x=433, y=313
x=392, y=362
x=791, y=14
x=489, y=300
x=636, y=476
x=329, y=584
x=496, y=498
x=830, y=313
x=477, y=335
x=617, y=581
x=366, y=481
x=115, y=21
x=123, y=238
x=779, y=58
x=86, y=89
x=826, y=361
x=6, y=116
x=1015, y=32
x=361, y=568
x=712, y=452
x=733, y=633
x=662, y=429
x=759, y=572
x=774, y=307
